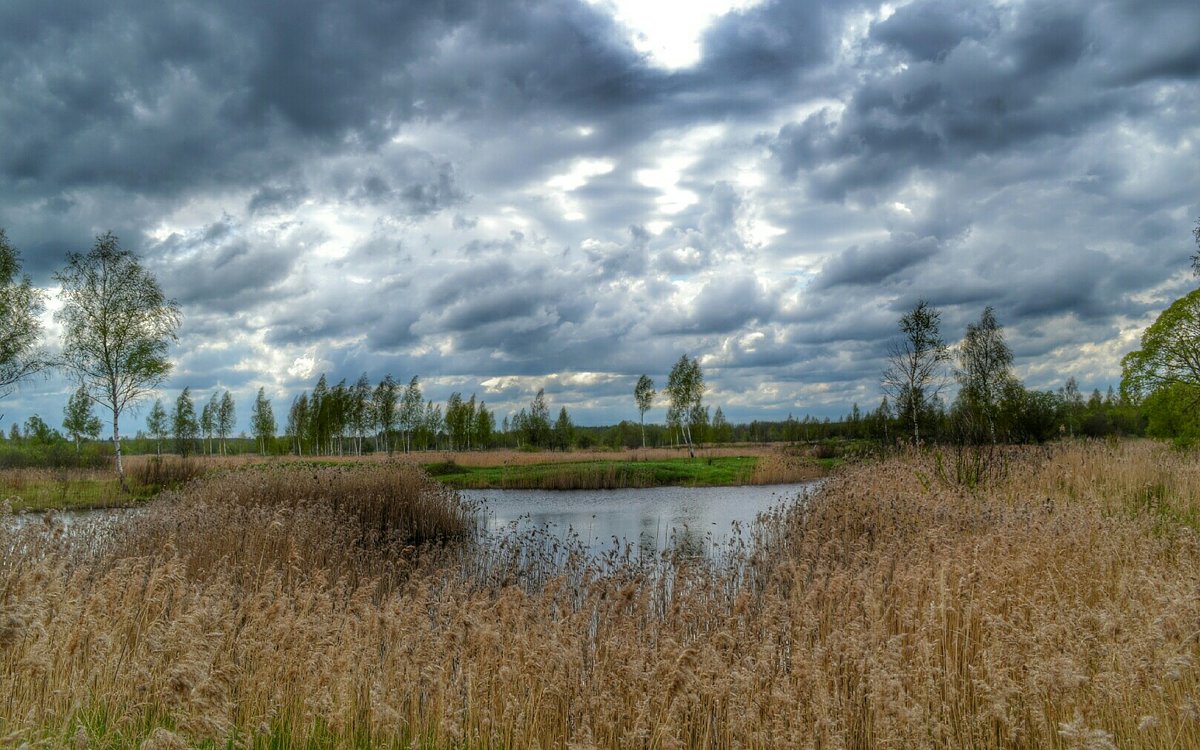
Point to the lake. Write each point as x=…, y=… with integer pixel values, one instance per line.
x=700, y=517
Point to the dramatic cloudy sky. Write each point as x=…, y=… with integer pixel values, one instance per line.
x=500, y=195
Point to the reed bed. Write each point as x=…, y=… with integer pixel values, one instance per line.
x=38, y=488
x=1055, y=605
x=783, y=468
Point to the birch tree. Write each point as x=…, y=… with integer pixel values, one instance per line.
x=262, y=420
x=156, y=425
x=985, y=370
x=208, y=422
x=643, y=394
x=78, y=420
x=297, y=424
x=411, y=411
x=685, y=388
x=385, y=401
x=916, y=364
x=117, y=326
x=226, y=418
x=183, y=423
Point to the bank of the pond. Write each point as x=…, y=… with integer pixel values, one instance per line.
x=723, y=471
x=70, y=489
x=32, y=489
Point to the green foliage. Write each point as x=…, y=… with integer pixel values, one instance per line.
x=985, y=378
x=156, y=425
x=1169, y=355
x=78, y=420
x=643, y=395
x=385, y=400
x=117, y=325
x=43, y=447
x=184, y=424
x=914, y=375
x=1171, y=413
x=20, y=330
x=722, y=431
x=714, y=472
x=564, y=431
x=226, y=418
x=685, y=389
x=262, y=420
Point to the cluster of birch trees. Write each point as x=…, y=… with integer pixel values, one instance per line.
x=214, y=425
x=358, y=417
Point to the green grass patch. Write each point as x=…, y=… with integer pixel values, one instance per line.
x=586, y=475
x=85, y=489
x=67, y=494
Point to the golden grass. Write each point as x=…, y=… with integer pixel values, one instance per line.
x=1058, y=606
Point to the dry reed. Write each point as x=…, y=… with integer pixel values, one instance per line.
x=1058, y=606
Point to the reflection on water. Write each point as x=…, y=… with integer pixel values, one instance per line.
x=694, y=519
x=691, y=520
x=89, y=519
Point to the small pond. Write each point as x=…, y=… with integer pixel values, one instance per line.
x=701, y=518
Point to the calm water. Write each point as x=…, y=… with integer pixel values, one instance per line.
x=700, y=517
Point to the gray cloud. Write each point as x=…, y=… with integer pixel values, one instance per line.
x=477, y=190
x=872, y=265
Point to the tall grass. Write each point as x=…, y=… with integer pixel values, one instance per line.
x=1055, y=606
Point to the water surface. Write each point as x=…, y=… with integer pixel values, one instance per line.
x=699, y=518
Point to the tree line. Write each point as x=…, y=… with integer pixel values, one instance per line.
x=117, y=326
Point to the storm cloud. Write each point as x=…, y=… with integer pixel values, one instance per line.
x=500, y=196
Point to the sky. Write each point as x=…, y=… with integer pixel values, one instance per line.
x=505, y=195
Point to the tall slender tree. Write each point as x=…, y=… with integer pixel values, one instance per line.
x=297, y=424
x=183, y=423
x=643, y=394
x=226, y=419
x=360, y=411
x=564, y=430
x=411, y=411
x=985, y=370
x=117, y=325
x=208, y=422
x=685, y=388
x=318, y=408
x=262, y=419
x=456, y=421
x=78, y=420
x=432, y=424
x=916, y=364
x=485, y=424
x=385, y=400
x=157, y=426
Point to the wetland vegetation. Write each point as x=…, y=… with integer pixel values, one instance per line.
x=1051, y=605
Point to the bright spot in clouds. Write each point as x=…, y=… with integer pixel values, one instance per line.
x=670, y=32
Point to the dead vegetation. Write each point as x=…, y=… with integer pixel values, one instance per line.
x=1054, y=606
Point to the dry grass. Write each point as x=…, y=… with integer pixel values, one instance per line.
x=778, y=467
x=1056, y=607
